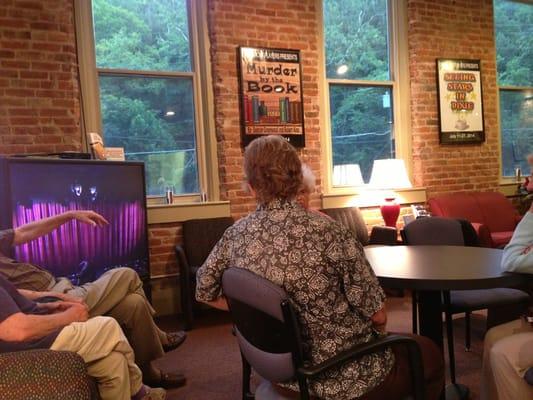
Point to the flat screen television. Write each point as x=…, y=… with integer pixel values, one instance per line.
x=36, y=188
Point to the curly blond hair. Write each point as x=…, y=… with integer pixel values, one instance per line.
x=272, y=169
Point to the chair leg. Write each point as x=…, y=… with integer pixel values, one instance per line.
x=246, y=373
x=449, y=335
x=467, y=331
x=186, y=302
x=414, y=311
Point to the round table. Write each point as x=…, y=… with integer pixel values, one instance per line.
x=431, y=270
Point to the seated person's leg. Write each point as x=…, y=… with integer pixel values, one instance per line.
x=400, y=376
x=135, y=317
x=510, y=358
x=109, y=357
x=495, y=334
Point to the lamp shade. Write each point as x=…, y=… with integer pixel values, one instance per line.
x=347, y=175
x=389, y=174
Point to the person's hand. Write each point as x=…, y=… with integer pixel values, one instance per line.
x=75, y=311
x=379, y=320
x=89, y=217
x=68, y=298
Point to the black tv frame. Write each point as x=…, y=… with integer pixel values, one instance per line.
x=6, y=204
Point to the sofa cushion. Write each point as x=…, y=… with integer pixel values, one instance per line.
x=498, y=212
x=500, y=239
x=457, y=205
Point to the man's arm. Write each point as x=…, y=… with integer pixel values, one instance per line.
x=20, y=327
x=518, y=254
x=33, y=230
x=33, y=295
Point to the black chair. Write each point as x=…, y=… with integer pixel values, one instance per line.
x=199, y=238
x=352, y=219
x=451, y=232
x=267, y=331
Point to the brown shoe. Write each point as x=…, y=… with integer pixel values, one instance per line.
x=175, y=340
x=167, y=380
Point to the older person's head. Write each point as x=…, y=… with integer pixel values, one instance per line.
x=273, y=169
x=308, y=186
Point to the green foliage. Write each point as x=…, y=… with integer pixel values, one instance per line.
x=514, y=29
x=356, y=35
x=148, y=35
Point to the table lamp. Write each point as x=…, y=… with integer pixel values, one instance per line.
x=389, y=174
x=347, y=175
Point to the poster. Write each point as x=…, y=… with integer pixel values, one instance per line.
x=460, y=101
x=271, y=101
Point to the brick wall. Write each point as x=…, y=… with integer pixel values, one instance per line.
x=39, y=92
x=440, y=29
x=291, y=24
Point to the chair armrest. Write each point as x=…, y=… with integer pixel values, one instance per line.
x=415, y=359
x=183, y=264
x=359, y=351
x=483, y=234
x=45, y=373
x=386, y=235
x=529, y=376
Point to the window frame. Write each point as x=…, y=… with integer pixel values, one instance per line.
x=398, y=83
x=505, y=179
x=200, y=74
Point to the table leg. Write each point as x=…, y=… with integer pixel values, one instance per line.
x=430, y=317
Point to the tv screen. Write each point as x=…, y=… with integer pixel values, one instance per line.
x=34, y=189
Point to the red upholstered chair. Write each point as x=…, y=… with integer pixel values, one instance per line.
x=492, y=215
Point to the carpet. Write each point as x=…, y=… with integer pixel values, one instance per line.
x=210, y=356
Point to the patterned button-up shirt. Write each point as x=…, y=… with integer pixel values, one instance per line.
x=22, y=275
x=322, y=267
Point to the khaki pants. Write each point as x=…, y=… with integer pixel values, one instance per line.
x=507, y=353
x=118, y=293
x=105, y=350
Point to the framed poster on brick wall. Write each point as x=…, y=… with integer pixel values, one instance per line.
x=460, y=101
x=270, y=94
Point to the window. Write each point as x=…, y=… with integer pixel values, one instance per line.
x=363, y=95
x=148, y=86
x=513, y=22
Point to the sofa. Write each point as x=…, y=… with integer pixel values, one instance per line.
x=491, y=214
x=45, y=375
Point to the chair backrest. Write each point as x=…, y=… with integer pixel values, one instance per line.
x=434, y=231
x=489, y=208
x=201, y=235
x=352, y=219
x=265, y=324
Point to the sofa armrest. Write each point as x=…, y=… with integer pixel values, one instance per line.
x=385, y=235
x=45, y=374
x=483, y=234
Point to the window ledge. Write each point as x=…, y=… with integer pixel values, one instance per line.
x=368, y=198
x=168, y=213
x=509, y=187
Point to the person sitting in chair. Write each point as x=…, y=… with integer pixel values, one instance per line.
x=117, y=293
x=322, y=267
x=508, y=348
x=62, y=325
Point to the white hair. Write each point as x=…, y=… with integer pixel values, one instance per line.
x=308, y=179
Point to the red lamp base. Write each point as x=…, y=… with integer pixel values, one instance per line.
x=390, y=211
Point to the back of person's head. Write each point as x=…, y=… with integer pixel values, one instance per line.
x=272, y=169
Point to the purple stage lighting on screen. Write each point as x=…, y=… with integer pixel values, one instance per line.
x=76, y=250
